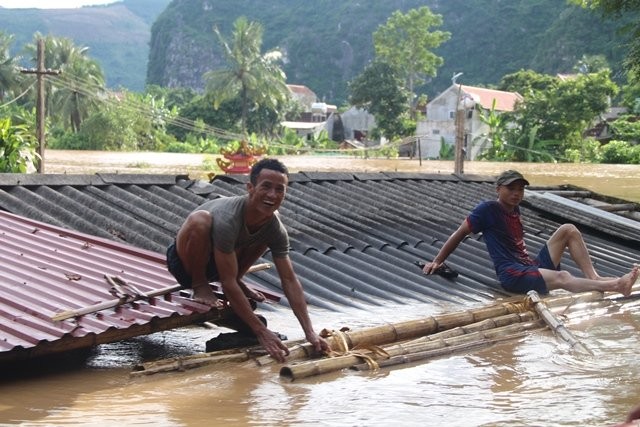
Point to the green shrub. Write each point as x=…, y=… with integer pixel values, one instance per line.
x=17, y=148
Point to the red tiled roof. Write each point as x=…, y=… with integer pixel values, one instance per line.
x=301, y=89
x=45, y=270
x=505, y=101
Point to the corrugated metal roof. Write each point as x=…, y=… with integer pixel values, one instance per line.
x=45, y=270
x=354, y=237
x=505, y=101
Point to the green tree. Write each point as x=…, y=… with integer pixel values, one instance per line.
x=591, y=64
x=406, y=42
x=618, y=9
x=17, y=148
x=495, y=137
x=254, y=77
x=74, y=94
x=553, y=119
x=9, y=76
x=380, y=91
x=525, y=82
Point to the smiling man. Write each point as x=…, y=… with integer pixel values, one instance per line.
x=499, y=222
x=223, y=237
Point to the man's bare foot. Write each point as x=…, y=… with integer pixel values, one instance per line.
x=628, y=280
x=250, y=293
x=204, y=295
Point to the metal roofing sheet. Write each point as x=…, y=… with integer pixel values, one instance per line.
x=45, y=270
x=354, y=238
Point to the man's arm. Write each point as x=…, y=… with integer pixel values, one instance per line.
x=447, y=249
x=227, y=265
x=295, y=295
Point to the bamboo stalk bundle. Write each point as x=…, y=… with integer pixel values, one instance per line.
x=555, y=324
x=483, y=325
x=437, y=352
x=323, y=366
x=401, y=331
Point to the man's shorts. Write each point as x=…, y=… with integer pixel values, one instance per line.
x=520, y=278
x=175, y=267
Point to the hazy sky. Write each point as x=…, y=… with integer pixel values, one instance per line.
x=51, y=4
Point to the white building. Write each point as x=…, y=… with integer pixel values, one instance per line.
x=440, y=122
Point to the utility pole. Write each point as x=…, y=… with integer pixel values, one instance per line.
x=458, y=164
x=40, y=72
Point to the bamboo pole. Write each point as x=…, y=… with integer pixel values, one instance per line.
x=401, y=331
x=67, y=314
x=188, y=362
x=437, y=352
x=323, y=366
x=556, y=324
x=182, y=363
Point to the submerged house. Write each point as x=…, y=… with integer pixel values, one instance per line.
x=314, y=117
x=439, y=124
x=355, y=239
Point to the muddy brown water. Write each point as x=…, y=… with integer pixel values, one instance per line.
x=532, y=381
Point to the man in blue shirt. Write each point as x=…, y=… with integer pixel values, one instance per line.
x=499, y=222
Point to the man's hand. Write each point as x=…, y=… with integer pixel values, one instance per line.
x=272, y=344
x=319, y=343
x=431, y=267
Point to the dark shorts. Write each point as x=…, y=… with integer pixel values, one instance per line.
x=519, y=278
x=175, y=267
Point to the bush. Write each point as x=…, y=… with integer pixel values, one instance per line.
x=616, y=152
x=17, y=148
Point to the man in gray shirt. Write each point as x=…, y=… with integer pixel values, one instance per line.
x=222, y=238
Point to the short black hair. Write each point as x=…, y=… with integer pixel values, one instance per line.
x=267, y=163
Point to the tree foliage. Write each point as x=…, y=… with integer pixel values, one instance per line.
x=9, y=77
x=618, y=9
x=406, y=42
x=380, y=90
x=254, y=77
x=72, y=96
x=554, y=113
x=17, y=148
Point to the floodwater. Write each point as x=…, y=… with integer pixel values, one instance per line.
x=535, y=380
x=613, y=180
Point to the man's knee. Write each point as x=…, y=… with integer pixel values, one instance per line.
x=195, y=234
x=569, y=230
x=197, y=223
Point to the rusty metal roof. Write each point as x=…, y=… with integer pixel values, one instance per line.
x=46, y=269
x=354, y=239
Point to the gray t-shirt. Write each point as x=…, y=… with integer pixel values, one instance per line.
x=229, y=231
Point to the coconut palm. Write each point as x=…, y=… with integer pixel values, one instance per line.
x=9, y=75
x=76, y=91
x=255, y=78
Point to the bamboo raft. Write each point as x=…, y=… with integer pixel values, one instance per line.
x=409, y=341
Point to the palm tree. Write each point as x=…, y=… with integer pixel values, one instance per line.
x=255, y=78
x=9, y=76
x=73, y=94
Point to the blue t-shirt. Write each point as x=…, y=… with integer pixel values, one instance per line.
x=503, y=234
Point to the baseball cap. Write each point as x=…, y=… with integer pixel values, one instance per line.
x=507, y=177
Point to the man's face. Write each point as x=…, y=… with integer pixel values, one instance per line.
x=268, y=193
x=511, y=195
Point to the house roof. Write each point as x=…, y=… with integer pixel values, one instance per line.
x=47, y=270
x=301, y=90
x=355, y=238
x=505, y=101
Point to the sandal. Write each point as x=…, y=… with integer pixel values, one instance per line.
x=444, y=270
